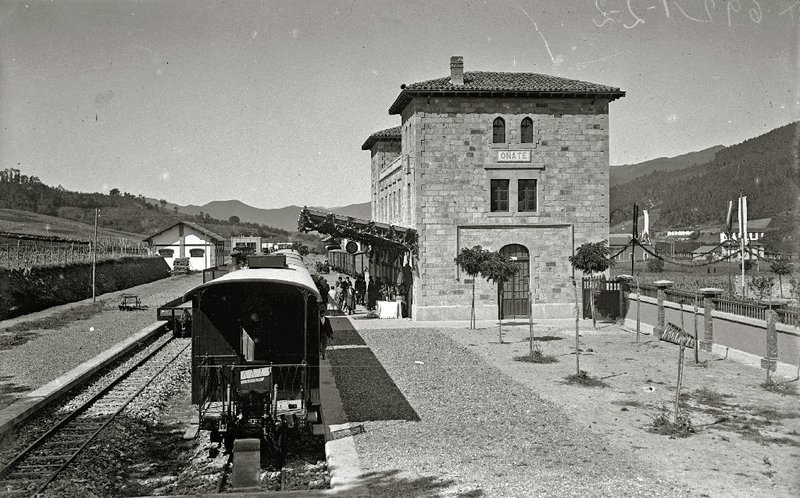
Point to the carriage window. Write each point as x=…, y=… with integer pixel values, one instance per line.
x=499, y=131
x=166, y=253
x=248, y=346
x=526, y=131
x=499, y=195
x=196, y=253
x=526, y=194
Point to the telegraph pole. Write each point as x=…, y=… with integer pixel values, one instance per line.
x=634, y=233
x=94, y=256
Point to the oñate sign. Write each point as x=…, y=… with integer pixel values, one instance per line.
x=513, y=156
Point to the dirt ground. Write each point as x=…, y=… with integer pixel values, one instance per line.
x=747, y=439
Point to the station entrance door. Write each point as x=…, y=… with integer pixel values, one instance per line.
x=514, y=295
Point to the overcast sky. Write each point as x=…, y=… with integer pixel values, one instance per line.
x=269, y=102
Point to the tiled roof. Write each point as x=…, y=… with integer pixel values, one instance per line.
x=522, y=84
x=387, y=134
x=194, y=226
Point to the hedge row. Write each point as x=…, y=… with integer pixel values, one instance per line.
x=24, y=291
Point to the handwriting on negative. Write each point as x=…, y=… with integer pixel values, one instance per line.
x=632, y=13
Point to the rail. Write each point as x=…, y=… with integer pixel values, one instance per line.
x=789, y=317
x=648, y=291
x=741, y=308
x=33, y=469
x=679, y=296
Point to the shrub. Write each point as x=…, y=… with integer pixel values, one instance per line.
x=662, y=424
x=584, y=379
x=655, y=265
x=536, y=357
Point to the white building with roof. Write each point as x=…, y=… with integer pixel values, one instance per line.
x=204, y=248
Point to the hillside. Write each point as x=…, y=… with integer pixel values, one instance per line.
x=763, y=168
x=284, y=218
x=29, y=206
x=15, y=221
x=628, y=172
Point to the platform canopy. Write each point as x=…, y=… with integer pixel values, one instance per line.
x=377, y=235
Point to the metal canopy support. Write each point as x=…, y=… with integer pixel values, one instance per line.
x=388, y=237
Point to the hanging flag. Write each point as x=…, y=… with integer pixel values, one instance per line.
x=646, y=229
x=741, y=227
x=729, y=219
x=744, y=220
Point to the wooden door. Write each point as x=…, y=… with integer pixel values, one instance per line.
x=514, y=295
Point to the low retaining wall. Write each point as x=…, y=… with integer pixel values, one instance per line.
x=24, y=291
x=745, y=338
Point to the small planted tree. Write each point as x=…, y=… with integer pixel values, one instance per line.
x=761, y=287
x=591, y=258
x=655, y=265
x=780, y=268
x=471, y=261
x=496, y=268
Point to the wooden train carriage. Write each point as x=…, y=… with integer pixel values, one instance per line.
x=255, y=336
x=345, y=262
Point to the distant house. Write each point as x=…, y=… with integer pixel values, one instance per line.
x=619, y=248
x=702, y=253
x=680, y=233
x=755, y=232
x=253, y=243
x=204, y=248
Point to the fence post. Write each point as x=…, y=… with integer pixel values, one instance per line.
x=624, y=286
x=770, y=360
x=709, y=293
x=662, y=286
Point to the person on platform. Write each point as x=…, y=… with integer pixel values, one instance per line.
x=351, y=300
x=361, y=288
x=337, y=296
x=372, y=294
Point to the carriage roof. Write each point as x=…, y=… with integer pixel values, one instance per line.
x=294, y=274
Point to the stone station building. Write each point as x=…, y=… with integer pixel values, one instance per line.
x=514, y=162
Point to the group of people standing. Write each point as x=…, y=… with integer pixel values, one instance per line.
x=345, y=293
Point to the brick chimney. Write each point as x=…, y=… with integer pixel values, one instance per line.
x=457, y=70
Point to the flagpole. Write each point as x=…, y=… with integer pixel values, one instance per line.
x=742, y=234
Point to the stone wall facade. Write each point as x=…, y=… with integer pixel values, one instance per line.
x=384, y=153
x=451, y=161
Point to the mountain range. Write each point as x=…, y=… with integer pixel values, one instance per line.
x=284, y=218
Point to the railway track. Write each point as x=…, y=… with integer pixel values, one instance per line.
x=34, y=468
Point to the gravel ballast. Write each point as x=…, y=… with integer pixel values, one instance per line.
x=479, y=431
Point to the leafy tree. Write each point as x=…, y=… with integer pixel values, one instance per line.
x=471, y=261
x=163, y=203
x=781, y=267
x=761, y=286
x=114, y=192
x=234, y=220
x=591, y=258
x=655, y=265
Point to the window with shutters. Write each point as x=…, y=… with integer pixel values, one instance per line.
x=526, y=195
x=499, y=195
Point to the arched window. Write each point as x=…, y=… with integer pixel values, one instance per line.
x=498, y=131
x=526, y=131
